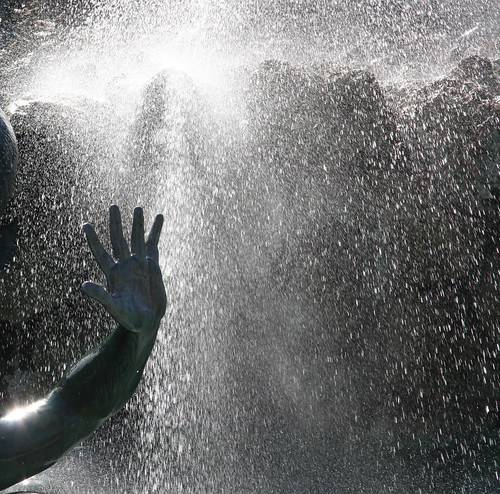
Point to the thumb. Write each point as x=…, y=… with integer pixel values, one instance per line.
x=98, y=293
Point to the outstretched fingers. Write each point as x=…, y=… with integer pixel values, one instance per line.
x=104, y=260
x=154, y=237
x=118, y=242
x=137, y=239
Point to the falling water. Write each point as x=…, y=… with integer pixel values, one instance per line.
x=325, y=332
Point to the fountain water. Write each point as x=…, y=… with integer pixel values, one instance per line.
x=329, y=178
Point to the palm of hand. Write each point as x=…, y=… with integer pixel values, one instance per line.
x=136, y=296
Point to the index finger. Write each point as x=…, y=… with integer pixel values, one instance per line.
x=103, y=259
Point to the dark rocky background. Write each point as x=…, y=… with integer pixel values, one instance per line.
x=350, y=262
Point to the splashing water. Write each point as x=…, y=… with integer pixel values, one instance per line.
x=303, y=199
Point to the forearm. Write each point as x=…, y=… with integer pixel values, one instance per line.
x=101, y=383
x=95, y=388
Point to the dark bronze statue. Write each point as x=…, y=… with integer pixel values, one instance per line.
x=34, y=438
x=8, y=169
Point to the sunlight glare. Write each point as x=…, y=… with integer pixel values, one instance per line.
x=21, y=413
